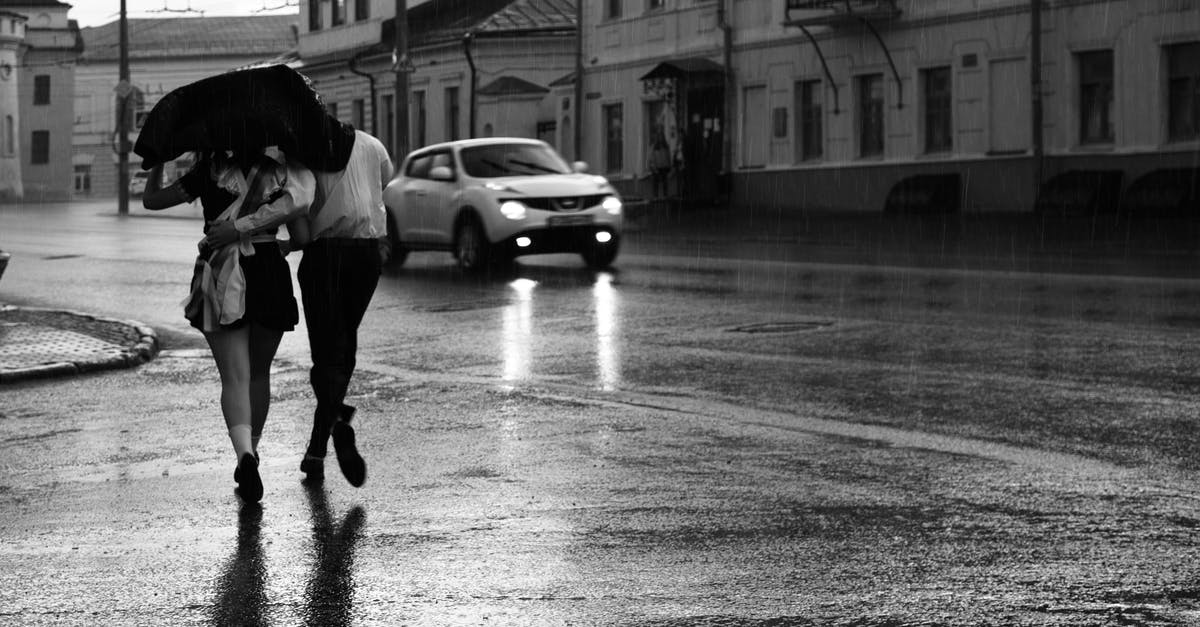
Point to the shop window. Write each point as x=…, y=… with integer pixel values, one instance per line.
x=41, y=89
x=338, y=15
x=452, y=113
x=40, y=148
x=1183, y=92
x=612, y=9
x=935, y=89
x=809, y=143
x=314, y=15
x=870, y=115
x=362, y=10
x=83, y=178
x=614, y=137
x=421, y=118
x=1096, y=97
x=389, y=123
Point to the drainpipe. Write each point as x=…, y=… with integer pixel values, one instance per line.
x=1035, y=79
x=728, y=106
x=466, y=40
x=578, y=128
x=353, y=64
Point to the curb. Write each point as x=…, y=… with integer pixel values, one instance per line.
x=143, y=350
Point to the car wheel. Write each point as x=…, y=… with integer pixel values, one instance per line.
x=471, y=246
x=397, y=253
x=599, y=256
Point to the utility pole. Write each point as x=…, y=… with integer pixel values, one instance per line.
x=401, y=65
x=1035, y=84
x=577, y=128
x=124, y=91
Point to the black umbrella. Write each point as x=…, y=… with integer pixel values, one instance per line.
x=246, y=111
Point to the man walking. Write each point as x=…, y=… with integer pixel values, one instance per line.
x=338, y=275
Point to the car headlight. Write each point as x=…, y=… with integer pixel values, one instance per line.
x=513, y=210
x=612, y=204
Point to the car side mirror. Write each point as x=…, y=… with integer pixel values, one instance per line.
x=580, y=166
x=441, y=173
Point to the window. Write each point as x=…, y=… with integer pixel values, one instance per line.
x=1183, y=92
x=452, y=113
x=420, y=116
x=935, y=83
x=654, y=5
x=83, y=178
x=332, y=107
x=389, y=123
x=314, y=15
x=358, y=112
x=338, y=16
x=10, y=138
x=612, y=9
x=756, y=129
x=810, y=123
x=41, y=148
x=870, y=115
x=41, y=89
x=362, y=10
x=1096, y=97
x=614, y=130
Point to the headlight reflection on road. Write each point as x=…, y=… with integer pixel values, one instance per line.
x=518, y=331
x=607, y=355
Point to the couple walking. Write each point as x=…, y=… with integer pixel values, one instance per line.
x=242, y=297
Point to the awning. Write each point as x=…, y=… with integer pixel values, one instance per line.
x=681, y=68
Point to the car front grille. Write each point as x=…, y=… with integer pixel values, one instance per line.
x=563, y=203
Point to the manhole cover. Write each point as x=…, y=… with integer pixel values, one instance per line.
x=783, y=327
x=466, y=305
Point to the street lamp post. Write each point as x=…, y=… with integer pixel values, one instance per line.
x=124, y=91
x=402, y=66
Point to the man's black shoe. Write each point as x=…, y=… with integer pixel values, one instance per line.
x=351, y=463
x=250, y=486
x=313, y=467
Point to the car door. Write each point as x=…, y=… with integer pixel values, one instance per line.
x=441, y=199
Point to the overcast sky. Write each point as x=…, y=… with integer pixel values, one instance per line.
x=97, y=12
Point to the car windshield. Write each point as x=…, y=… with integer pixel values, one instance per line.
x=496, y=160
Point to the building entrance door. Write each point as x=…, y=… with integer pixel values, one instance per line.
x=703, y=135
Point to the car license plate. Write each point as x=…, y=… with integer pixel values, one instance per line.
x=569, y=220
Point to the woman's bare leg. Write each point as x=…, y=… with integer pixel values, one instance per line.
x=264, y=343
x=231, y=350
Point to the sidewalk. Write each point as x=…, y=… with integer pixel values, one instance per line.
x=36, y=343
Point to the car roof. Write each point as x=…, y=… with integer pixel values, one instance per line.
x=479, y=141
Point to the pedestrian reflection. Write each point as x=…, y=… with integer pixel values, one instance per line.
x=330, y=592
x=518, y=330
x=242, y=596
x=608, y=358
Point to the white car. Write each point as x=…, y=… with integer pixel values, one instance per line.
x=490, y=200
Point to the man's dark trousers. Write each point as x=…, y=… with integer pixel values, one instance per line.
x=337, y=280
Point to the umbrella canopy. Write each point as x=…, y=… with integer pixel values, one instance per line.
x=246, y=111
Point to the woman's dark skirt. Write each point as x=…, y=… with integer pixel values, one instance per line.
x=270, y=301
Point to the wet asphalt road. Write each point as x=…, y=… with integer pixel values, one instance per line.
x=687, y=440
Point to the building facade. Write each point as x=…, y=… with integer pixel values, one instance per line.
x=45, y=86
x=12, y=35
x=476, y=67
x=164, y=53
x=897, y=104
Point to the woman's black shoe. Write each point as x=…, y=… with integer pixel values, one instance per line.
x=250, y=486
x=351, y=463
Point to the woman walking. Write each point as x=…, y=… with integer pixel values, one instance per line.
x=242, y=297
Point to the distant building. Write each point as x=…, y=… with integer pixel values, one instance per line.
x=45, y=85
x=479, y=67
x=163, y=54
x=907, y=105
x=12, y=36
